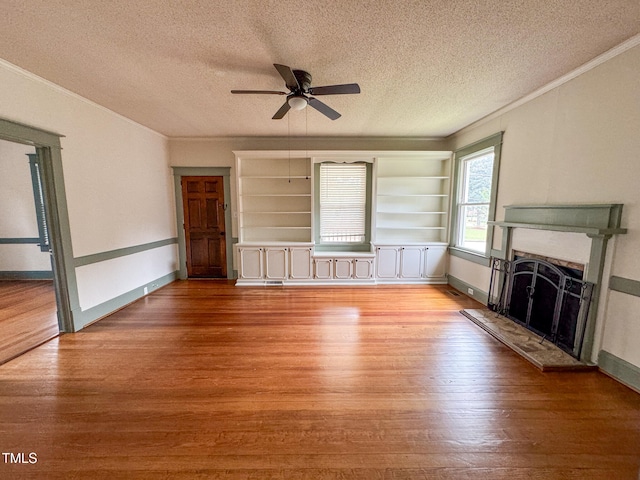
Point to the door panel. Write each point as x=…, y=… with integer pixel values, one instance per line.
x=203, y=200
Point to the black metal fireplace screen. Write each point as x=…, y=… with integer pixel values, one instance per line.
x=544, y=298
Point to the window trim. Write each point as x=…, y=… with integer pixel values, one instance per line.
x=364, y=246
x=494, y=141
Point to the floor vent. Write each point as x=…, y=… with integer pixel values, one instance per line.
x=274, y=283
x=453, y=293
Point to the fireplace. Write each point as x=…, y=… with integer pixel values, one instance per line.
x=545, y=296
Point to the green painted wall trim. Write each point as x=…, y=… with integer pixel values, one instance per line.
x=20, y=133
x=83, y=318
x=619, y=369
x=625, y=285
x=479, y=295
x=26, y=275
x=470, y=257
x=121, y=252
x=18, y=241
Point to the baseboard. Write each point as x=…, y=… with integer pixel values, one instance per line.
x=26, y=275
x=469, y=290
x=83, y=318
x=620, y=369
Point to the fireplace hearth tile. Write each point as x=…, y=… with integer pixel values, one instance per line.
x=541, y=353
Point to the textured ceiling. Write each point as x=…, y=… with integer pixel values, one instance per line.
x=426, y=68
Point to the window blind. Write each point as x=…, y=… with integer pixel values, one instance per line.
x=343, y=191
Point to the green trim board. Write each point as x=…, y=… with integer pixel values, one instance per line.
x=93, y=314
x=590, y=219
x=19, y=241
x=121, y=252
x=26, y=275
x=624, y=285
x=620, y=369
x=470, y=256
x=225, y=173
x=462, y=286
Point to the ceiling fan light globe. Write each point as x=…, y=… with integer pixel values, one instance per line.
x=297, y=103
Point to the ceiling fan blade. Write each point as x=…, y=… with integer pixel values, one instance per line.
x=273, y=92
x=289, y=78
x=324, y=109
x=282, y=112
x=335, y=89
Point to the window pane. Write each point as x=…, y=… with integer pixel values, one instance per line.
x=478, y=172
x=343, y=189
x=473, y=227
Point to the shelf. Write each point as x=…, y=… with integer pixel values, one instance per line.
x=418, y=177
x=399, y=195
x=258, y=227
x=409, y=228
x=271, y=212
x=281, y=177
x=399, y=212
x=277, y=195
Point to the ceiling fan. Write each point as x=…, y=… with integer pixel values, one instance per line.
x=300, y=90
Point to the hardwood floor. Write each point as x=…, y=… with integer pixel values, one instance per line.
x=27, y=315
x=202, y=379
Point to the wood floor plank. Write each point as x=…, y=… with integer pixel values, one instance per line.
x=202, y=379
x=27, y=316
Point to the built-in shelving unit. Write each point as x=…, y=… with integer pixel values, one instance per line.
x=409, y=219
x=274, y=197
x=412, y=198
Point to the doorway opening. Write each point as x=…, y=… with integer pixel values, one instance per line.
x=203, y=215
x=28, y=293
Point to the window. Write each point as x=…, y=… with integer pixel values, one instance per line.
x=476, y=173
x=343, y=192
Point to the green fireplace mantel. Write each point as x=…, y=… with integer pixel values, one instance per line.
x=599, y=219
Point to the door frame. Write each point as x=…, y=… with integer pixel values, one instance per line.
x=49, y=157
x=225, y=173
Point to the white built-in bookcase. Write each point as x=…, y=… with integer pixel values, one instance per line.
x=409, y=219
x=412, y=198
x=274, y=199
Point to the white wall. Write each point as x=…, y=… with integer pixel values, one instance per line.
x=578, y=143
x=117, y=178
x=17, y=211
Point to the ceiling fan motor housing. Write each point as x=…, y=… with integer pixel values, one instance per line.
x=304, y=79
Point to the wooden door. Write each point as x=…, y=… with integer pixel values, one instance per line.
x=204, y=229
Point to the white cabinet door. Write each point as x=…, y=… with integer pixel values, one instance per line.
x=323, y=268
x=435, y=262
x=250, y=263
x=411, y=262
x=300, y=263
x=343, y=268
x=362, y=268
x=387, y=262
x=276, y=263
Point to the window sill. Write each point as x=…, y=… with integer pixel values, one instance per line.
x=478, y=258
x=348, y=249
